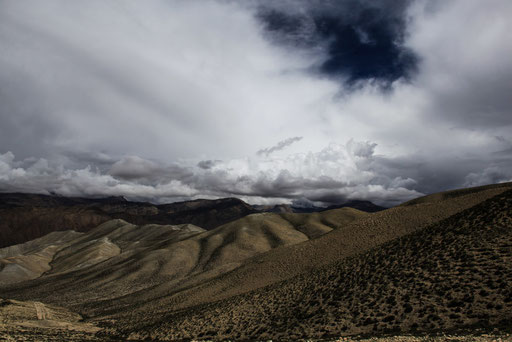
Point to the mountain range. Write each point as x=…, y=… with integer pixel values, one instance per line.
x=28, y=216
x=436, y=264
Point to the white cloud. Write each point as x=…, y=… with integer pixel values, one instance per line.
x=331, y=175
x=158, y=86
x=161, y=79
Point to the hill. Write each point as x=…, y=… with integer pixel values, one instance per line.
x=28, y=216
x=287, y=261
x=452, y=275
x=287, y=275
x=25, y=217
x=118, y=258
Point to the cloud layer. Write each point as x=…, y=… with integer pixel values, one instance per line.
x=332, y=175
x=167, y=100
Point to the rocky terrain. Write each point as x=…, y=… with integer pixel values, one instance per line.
x=433, y=266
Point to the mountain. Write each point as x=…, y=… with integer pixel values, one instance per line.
x=439, y=263
x=122, y=258
x=453, y=274
x=24, y=217
x=366, y=206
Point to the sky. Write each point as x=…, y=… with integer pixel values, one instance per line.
x=305, y=102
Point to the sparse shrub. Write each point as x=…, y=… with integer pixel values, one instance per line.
x=389, y=318
x=455, y=303
x=483, y=293
x=391, y=300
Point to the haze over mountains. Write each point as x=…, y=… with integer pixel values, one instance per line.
x=437, y=263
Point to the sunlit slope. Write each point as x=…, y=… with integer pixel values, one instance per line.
x=117, y=258
x=60, y=252
x=453, y=274
x=31, y=259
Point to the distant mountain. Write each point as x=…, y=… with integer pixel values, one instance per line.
x=277, y=208
x=24, y=217
x=366, y=206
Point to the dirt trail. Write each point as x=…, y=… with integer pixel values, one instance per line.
x=41, y=311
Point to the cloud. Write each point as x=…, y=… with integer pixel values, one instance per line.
x=208, y=164
x=178, y=108
x=490, y=175
x=362, y=40
x=279, y=146
x=133, y=167
x=41, y=176
x=331, y=175
x=190, y=73
x=465, y=68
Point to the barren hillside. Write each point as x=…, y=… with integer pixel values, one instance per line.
x=440, y=263
x=454, y=274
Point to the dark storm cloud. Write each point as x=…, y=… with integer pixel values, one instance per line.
x=362, y=39
x=279, y=146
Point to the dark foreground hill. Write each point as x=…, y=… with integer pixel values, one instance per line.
x=454, y=274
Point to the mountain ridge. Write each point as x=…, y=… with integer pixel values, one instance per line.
x=29, y=216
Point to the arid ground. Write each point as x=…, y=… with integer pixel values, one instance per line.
x=433, y=269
